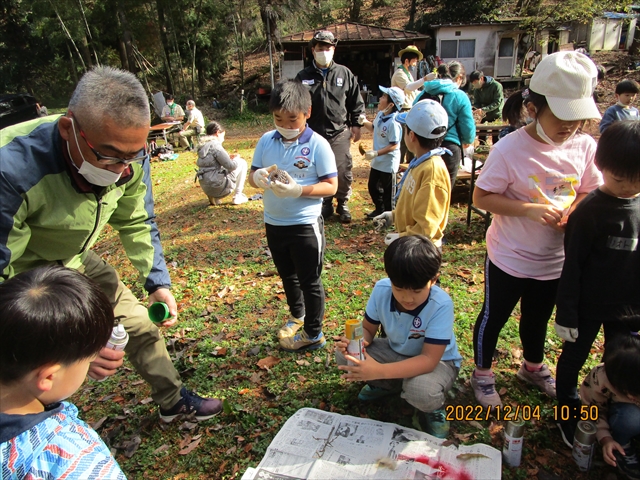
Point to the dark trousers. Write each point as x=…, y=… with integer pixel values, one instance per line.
x=452, y=161
x=298, y=254
x=501, y=294
x=574, y=354
x=380, y=189
x=341, y=145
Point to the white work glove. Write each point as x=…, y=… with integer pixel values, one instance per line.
x=362, y=118
x=390, y=238
x=384, y=220
x=566, y=333
x=284, y=190
x=430, y=76
x=261, y=176
x=371, y=154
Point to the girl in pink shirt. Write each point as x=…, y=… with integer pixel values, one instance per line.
x=532, y=180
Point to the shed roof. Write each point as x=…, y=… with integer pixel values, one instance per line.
x=357, y=32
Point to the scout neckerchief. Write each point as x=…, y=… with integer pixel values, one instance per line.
x=171, y=108
x=409, y=76
x=417, y=161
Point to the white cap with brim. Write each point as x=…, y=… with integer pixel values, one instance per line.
x=567, y=81
x=424, y=117
x=396, y=95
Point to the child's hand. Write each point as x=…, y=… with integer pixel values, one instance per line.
x=608, y=447
x=106, y=363
x=544, y=214
x=289, y=189
x=341, y=344
x=361, y=370
x=261, y=176
x=370, y=155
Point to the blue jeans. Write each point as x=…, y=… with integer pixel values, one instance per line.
x=624, y=422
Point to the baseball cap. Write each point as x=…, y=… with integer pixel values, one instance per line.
x=324, y=36
x=397, y=95
x=567, y=81
x=424, y=117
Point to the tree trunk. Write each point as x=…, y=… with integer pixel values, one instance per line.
x=84, y=50
x=354, y=10
x=74, y=71
x=126, y=38
x=162, y=27
x=412, y=14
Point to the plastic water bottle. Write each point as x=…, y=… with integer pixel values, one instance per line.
x=119, y=338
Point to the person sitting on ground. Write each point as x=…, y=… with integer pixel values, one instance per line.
x=385, y=156
x=514, y=112
x=613, y=388
x=419, y=356
x=53, y=323
x=172, y=112
x=626, y=92
x=193, y=126
x=424, y=193
x=218, y=172
x=488, y=99
x=461, y=131
x=297, y=169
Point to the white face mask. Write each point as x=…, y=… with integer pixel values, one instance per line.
x=288, y=133
x=92, y=174
x=323, y=57
x=542, y=134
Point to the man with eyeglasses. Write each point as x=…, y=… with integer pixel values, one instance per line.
x=62, y=180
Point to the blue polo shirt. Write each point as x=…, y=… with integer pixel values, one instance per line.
x=431, y=322
x=308, y=160
x=386, y=131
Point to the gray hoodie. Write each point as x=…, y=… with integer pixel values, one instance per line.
x=214, y=166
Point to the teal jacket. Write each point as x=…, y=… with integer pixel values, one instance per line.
x=462, y=127
x=51, y=214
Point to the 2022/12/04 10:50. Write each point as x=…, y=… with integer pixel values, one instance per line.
x=501, y=413
x=584, y=412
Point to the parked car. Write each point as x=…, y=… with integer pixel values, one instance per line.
x=16, y=108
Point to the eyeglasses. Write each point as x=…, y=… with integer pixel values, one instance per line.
x=141, y=156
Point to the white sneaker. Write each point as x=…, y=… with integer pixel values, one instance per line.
x=239, y=199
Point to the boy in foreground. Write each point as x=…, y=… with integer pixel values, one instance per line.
x=53, y=322
x=296, y=168
x=419, y=356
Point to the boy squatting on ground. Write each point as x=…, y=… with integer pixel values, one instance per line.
x=419, y=355
x=424, y=193
x=385, y=156
x=600, y=280
x=292, y=209
x=626, y=92
x=53, y=322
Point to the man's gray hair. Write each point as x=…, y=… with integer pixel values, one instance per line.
x=110, y=92
x=191, y=103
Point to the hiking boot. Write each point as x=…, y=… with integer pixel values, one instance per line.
x=343, y=211
x=370, y=393
x=567, y=430
x=301, y=342
x=239, y=199
x=327, y=209
x=541, y=379
x=204, y=408
x=484, y=388
x=435, y=423
x=291, y=327
x=375, y=213
x=628, y=463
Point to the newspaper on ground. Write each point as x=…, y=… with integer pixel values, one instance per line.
x=314, y=444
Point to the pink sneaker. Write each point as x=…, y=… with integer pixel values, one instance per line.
x=541, y=379
x=484, y=388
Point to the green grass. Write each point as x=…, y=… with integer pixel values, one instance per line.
x=213, y=250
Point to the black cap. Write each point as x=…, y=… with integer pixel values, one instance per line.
x=323, y=36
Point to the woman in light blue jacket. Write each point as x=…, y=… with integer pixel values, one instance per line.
x=462, y=128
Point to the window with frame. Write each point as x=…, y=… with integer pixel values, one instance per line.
x=458, y=48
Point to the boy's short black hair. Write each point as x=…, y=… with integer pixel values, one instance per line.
x=290, y=96
x=412, y=261
x=213, y=128
x=618, y=149
x=428, y=143
x=170, y=97
x=408, y=56
x=50, y=315
x=622, y=363
x=627, y=86
x=476, y=75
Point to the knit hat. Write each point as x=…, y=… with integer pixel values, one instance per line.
x=396, y=95
x=567, y=81
x=424, y=117
x=411, y=49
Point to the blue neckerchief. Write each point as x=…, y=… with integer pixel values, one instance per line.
x=383, y=119
x=417, y=161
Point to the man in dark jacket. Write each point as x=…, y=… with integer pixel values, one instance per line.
x=487, y=97
x=336, y=106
